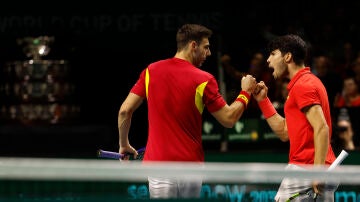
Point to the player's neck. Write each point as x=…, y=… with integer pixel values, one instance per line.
x=294, y=69
x=182, y=55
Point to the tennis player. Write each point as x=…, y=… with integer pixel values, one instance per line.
x=177, y=91
x=307, y=122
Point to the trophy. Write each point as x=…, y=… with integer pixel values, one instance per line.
x=40, y=88
x=36, y=47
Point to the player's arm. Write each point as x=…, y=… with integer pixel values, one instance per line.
x=276, y=122
x=229, y=115
x=131, y=103
x=316, y=118
x=278, y=125
x=314, y=114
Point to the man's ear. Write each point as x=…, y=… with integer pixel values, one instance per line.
x=288, y=57
x=193, y=44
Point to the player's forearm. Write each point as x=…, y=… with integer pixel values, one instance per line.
x=124, y=122
x=277, y=124
x=237, y=108
x=229, y=115
x=235, y=112
x=321, y=142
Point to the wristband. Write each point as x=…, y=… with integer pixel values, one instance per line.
x=243, y=97
x=267, y=108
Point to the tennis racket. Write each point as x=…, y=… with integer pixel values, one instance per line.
x=115, y=155
x=309, y=192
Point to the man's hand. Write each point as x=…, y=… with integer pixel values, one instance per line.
x=128, y=150
x=318, y=188
x=248, y=83
x=260, y=91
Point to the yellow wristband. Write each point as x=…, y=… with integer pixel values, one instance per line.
x=243, y=97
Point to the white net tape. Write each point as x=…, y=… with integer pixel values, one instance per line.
x=114, y=170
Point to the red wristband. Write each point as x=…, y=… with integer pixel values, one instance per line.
x=267, y=108
x=243, y=97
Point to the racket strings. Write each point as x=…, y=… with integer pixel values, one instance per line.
x=307, y=192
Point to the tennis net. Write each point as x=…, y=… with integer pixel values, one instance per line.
x=48, y=179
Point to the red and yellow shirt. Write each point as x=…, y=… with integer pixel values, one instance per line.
x=177, y=93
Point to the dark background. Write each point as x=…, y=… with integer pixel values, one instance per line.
x=108, y=43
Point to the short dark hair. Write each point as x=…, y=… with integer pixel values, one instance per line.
x=191, y=32
x=290, y=43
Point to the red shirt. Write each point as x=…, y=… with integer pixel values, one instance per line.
x=305, y=89
x=176, y=93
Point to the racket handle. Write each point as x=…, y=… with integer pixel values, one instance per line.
x=109, y=154
x=338, y=160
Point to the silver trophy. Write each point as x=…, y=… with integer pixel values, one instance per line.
x=40, y=86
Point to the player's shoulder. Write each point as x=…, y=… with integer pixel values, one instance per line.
x=204, y=73
x=161, y=61
x=310, y=80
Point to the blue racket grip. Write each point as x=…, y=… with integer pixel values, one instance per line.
x=109, y=154
x=115, y=155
